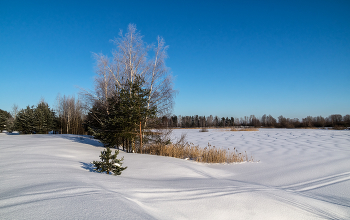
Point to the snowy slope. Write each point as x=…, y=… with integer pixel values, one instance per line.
x=302, y=174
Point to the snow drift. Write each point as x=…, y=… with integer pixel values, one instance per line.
x=301, y=174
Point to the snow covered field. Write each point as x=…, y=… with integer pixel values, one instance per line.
x=302, y=174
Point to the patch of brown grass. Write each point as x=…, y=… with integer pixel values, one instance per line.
x=179, y=128
x=308, y=128
x=203, y=130
x=337, y=127
x=244, y=129
x=209, y=154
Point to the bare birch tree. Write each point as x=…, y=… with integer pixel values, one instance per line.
x=131, y=59
x=70, y=112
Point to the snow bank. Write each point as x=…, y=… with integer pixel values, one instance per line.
x=302, y=174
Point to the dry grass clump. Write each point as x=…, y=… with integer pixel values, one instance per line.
x=203, y=130
x=337, y=127
x=308, y=128
x=244, y=129
x=184, y=150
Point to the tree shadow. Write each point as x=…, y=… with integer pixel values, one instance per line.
x=91, y=168
x=10, y=133
x=82, y=139
x=88, y=166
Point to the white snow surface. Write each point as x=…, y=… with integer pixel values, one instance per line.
x=301, y=174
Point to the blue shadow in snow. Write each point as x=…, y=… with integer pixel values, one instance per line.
x=83, y=139
x=91, y=168
x=88, y=166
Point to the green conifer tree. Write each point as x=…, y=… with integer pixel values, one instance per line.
x=25, y=121
x=44, y=118
x=109, y=163
x=133, y=103
x=4, y=117
x=126, y=116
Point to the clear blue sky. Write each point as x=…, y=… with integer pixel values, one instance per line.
x=229, y=58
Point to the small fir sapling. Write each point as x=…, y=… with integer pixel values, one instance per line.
x=109, y=162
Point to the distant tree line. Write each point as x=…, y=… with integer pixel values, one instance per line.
x=69, y=118
x=336, y=121
x=195, y=121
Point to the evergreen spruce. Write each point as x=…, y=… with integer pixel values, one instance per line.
x=133, y=100
x=4, y=117
x=25, y=121
x=44, y=118
x=109, y=163
x=126, y=116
